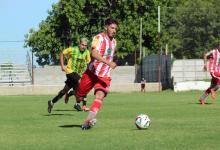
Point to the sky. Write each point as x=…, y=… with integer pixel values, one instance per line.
x=17, y=18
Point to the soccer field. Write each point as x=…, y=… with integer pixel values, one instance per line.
x=178, y=122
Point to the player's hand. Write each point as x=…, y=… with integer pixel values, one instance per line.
x=63, y=68
x=113, y=65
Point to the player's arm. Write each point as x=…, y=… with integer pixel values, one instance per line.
x=62, y=62
x=205, y=59
x=64, y=53
x=95, y=54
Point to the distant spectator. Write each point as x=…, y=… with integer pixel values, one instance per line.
x=143, y=83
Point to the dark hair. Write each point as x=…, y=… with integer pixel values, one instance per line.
x=111, y=21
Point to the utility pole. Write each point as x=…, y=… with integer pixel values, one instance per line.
x=140, y=45
x=140, y=42
x=159, y=51
x=32, y=66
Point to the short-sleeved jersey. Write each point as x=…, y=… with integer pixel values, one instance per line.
x=214, y=61
x=77, y=60
x=106, y=48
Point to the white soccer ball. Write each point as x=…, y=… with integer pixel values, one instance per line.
x=142, y=121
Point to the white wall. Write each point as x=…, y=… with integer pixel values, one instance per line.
x=188, y=70
x=52, y=75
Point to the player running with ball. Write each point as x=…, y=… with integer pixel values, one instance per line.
x=97, y=75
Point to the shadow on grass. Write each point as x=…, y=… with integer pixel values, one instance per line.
x=58, y=115
x=197, y=103
x=71, y=126
x=64, y=110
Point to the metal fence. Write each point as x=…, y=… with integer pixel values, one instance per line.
x=15, y=63
x=155, y=68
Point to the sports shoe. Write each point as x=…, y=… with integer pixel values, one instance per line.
x=77, y=107
x=84, y=108
x=202, y=102
x=88, y=125
x=50, y=106
x=66, y=98
x=212, y=94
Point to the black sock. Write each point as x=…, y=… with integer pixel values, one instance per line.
x=59, y=96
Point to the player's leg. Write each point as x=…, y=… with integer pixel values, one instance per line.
x=84, y=87
x=84, y=102
x=94, y=109
x=216, y=83
x=75, y=78
x=77, y=104
x=215, y=88
x=208, y=91
x=101, y=90
x=67, y=95
x=57, y=97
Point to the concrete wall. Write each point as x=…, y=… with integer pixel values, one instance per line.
x=52, y=75
x=188, y=70
x=49, y=80
x=188, y=75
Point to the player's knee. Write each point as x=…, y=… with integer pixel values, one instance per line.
x=100, y=95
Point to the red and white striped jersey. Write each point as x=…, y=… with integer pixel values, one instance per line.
x=214, y=62
x=106, y=48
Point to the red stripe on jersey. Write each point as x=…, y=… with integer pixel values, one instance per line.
x=106, y=49
x=214, y=62
x=101, y=52
x=105, y=68
x=109, y=57
x=210, y=69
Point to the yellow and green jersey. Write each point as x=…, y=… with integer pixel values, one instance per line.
x=77, y=60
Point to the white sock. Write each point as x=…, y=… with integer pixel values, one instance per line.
x=91, y=116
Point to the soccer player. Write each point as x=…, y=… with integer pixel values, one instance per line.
x=214, y=64
x=97, y=75
x=78, y=58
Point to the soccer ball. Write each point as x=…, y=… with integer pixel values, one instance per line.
x=142, y=121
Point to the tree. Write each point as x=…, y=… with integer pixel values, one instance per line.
x=70, y=19
x=191, y=28
x=63, y=24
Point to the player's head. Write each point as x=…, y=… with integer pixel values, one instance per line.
x=83, y=43
x=111, y=26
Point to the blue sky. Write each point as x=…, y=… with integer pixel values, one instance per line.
x=17, y=17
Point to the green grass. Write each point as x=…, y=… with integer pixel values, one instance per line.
x=178, y=123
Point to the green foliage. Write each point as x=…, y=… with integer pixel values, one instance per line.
x=71, y=19
x=188, y=27
x=191, y=28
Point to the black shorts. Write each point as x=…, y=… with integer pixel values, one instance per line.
x=72, y=80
